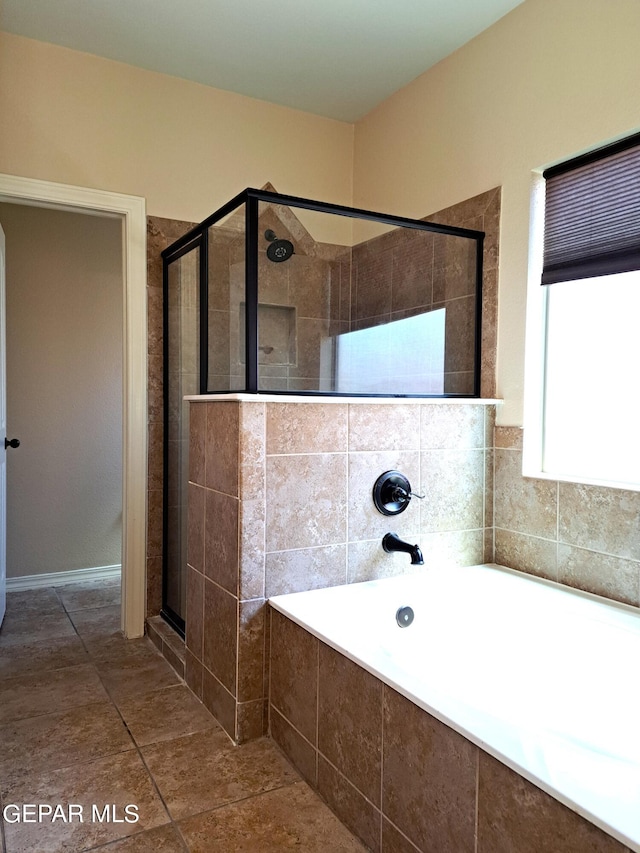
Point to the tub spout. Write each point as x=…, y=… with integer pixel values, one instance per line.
x=391, y=542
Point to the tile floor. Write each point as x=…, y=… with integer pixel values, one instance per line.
x=88, y=719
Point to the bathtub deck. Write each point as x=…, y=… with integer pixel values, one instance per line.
x=537, y=675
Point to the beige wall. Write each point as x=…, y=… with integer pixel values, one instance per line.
x=64, y=390
x=186, y=148
x=549, y=80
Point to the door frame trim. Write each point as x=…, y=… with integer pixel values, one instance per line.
x=132, y=210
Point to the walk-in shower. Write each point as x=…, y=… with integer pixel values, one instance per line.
x=282, y=295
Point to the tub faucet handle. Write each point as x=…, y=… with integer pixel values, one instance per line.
x=392, y=493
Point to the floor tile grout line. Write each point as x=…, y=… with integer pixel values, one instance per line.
x=139, y=751
x=9, y=780
x=94, y=659
x=110, y=702
x=135, y=744
x=68, y=710
x=3, y=837
x=243, y=799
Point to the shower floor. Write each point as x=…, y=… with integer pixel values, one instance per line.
x=92, y=720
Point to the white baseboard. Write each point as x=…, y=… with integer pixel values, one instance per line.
x=62, y=578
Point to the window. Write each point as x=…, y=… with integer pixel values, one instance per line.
x=587, y=406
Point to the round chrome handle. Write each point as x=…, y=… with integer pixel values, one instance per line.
x=14, y=442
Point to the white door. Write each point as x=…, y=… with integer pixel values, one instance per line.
x=3, y=449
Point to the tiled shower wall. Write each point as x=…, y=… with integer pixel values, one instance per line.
x=281, y=500
x=160, y=234
x=583, y=536
x=405, y=272
x=327, y=283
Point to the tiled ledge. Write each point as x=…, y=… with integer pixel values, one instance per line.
x=170, y=644
x=318, y=398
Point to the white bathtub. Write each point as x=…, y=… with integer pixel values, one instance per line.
x=544, y=678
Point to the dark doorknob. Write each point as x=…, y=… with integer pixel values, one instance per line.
x=14, y=442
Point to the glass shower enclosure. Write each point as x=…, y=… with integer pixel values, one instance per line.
x=274, y=294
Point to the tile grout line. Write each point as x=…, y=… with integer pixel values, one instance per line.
x=136, y=747
x=112, y=703
x=3, y=838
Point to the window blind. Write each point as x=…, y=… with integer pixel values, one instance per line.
x=592, y=214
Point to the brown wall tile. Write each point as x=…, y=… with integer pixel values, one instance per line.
x=365, y=521
x=509, y=438
x=294, y=675
x=393, y=841
x=217, y=699
x=429, y=778
x=594, y=544
x=453, y=484
x=154, y=585
x=220, y=647
x=252, y=549
x=357, y=813
x=392, y=428
x=160, y=234
x=155, y=465
x=298, y=750
x=350, y=721
x=197, y=439
x=601, y=574
x=251, y=650
x=251, y=720
x=252, y=451
x=450, y=427
x=193, y=673
x=523, y=504
x=222, y=447
x=515, y=815
x=600, y=518
x=526, y=553
x=221, y=539
x=195, y=527
x=306, y=568
x=306, y=500
x=194, y=616
x=306, y=428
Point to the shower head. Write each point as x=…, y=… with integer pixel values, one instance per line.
x=278, y=250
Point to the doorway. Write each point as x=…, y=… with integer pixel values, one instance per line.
x=132, y=214
x=64, y=394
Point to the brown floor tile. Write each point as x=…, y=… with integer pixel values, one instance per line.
x=49, y=692
x=43, y=600
x=141, y=672
x=114, y=647
x=119, y=779
x=163, y=839
x=26, y=627
x=99, y=621
x=292, y=817
x=165, y=714
x=205, y=770
x=56, y=653
x=86, y=596
x=53, y=741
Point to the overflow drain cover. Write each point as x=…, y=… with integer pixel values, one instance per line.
x=404, y=616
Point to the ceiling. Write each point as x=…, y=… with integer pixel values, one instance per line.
x=335, y=58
